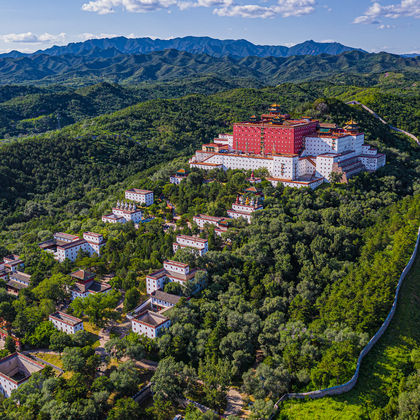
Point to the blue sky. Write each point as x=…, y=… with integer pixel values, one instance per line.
x=386, y=25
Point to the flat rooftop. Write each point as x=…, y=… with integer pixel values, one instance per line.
x=139, y=191
x=66, y=318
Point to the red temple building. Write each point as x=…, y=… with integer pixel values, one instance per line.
x=274, y=133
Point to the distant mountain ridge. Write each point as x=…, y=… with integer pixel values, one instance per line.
x=195, y=45
x=173, y=64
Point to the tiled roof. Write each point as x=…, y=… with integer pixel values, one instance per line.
x=166, y=297
x=83, y=275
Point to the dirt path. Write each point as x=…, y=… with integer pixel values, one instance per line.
x=234, y=403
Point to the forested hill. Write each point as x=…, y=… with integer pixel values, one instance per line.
x=42, y=174
x=172, y=64
x=202, y=45
x=290, y=298
x=26, y=110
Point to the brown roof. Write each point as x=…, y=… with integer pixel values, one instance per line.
x=16, y=285
x=151, y=319
x=18, y=275
x=66, y=235
x=66, y=318
x=138, y=191
x=179, y=264
x=68, y=245
x=166, y=297
x=83, y=275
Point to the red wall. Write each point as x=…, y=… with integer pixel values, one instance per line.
x=277, y=139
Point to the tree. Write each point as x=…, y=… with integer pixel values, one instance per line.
x=9, y=344
x=59, y=341
x=7, y=311
x=74, y=359
x=125, y=378
x=41, y=336
x=262, y=409
x=173, y=287
x=132, y=297
x=100, y=307
x=124, y=409
x=335, y=177
x=266, y=382
x=116, y=347
x=81, y=360
x=167, y=381
x=216, y=376
x=52, y=288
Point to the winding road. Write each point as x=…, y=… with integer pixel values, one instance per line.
x=383, y=121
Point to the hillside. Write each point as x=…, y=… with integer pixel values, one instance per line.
x=172, y=64
x=287, y=297
x=26, y=110
x=146, y=134
x=196, y=45
x=388, y=373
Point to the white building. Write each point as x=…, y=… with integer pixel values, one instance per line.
x=66, y=323
x=244, y=208
x=150, y=324
x=201, y=246
x=203, y=219
x=11, y=263
x=85, y=285
x=221, y=223
x=178, y=177
x=66, y=246
x=171, y=271
x=95, y=242
x=17, y=281
x=330, y=150
x=15, y=370
x=225, y=139
x=144, y=197
x=161, y=300
x=123, y=213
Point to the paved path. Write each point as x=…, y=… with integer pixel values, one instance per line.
x=383, y=121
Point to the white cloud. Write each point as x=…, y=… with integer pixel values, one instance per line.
x=284, y=8
x=246, y=11
x=406, y=8
x=382, y=26
x=104, y=7
x=29, y=37
x=86, y=36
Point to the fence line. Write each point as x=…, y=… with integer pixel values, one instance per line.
x=341, y=389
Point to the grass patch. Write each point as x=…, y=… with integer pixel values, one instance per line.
x=93, y=331
x=54, y=359
x=382, y=369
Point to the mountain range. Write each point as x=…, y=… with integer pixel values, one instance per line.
x=169, y=65
x=106, y=47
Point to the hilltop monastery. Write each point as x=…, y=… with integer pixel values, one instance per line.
x=296, y=152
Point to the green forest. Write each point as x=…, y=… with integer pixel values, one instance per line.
x=290, y=300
